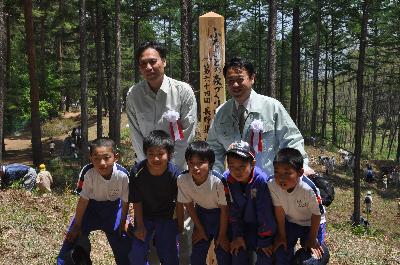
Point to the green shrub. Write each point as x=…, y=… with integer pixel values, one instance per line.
x=64, y=175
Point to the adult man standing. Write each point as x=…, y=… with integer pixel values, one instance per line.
x=160, y=103
x=260, y=120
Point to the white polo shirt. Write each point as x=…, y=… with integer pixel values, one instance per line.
x=98, y=188
x=299, y=204
x=209, y=195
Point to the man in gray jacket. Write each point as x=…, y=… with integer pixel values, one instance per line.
x=259, y=120
x=160, y=103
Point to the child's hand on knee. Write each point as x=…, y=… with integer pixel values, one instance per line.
x=315, y=248
x=223, y=242
x=237, y=244
x=198, y=235
x=280, y=241
x=268, y=250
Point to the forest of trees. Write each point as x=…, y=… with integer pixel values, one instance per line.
x=311, y=55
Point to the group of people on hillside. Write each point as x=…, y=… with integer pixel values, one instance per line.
x=26, y=176
x=255, y=208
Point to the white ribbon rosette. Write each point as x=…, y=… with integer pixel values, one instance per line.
x=257, y=129
x=174, y=125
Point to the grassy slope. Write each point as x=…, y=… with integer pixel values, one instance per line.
x=32, y=226
x=348, y=245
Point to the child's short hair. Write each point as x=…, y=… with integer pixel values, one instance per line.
x=290, y=156
x=100, y=142
x=202, y=149
x=158, y=138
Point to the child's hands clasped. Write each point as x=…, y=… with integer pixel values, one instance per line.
x=198, y=234
x=268, y=250
x=236, y=244
x=140, y=232
x=280, y=241
x=315, y=248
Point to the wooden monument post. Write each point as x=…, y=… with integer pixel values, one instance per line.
x=212, y=59
x=212, y=82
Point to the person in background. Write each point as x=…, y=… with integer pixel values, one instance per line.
x=257, y=119
x=52, y=147
x=17, y=173
x=44, y=179
x=368, y=202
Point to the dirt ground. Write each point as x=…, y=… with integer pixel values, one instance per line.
x=19, y=147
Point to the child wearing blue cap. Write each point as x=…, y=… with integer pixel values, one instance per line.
x=250, y=207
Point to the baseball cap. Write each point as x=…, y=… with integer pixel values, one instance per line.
x=369, y=192
x=241, y=148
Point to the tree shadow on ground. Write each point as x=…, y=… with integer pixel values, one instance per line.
x=344, y=180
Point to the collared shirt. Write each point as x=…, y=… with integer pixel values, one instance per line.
x=246, y=104
x=145, y=110
x=300, y=204
x=96, y=187
x=279, y=130
x=209, y=195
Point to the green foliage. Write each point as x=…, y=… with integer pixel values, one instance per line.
x=64, y=175
x=361, y=230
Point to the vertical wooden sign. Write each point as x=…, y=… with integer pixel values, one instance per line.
x=212, y=59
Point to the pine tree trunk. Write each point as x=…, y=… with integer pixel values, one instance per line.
x=271, y=49
x=117, y=80
x=316, y=70
x=37, y=154
x=334, y=129
x=283, y=66
x=295, y=62
x=59, y=58
x=359, y=112
x=2, y=72
x=136, y=21
x=185, y=58
x=374, y=112
x=391, y=140
x=84, y=82
x=99, y=74
x=43, y=47
x=398, y=140
x=325, y=100
x=109, y=84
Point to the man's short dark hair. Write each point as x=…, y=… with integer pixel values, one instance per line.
x=103, y=142
x=239, y=62
x=150, y=44
x=203, y=150
x=290, y=156
x=158, y=138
